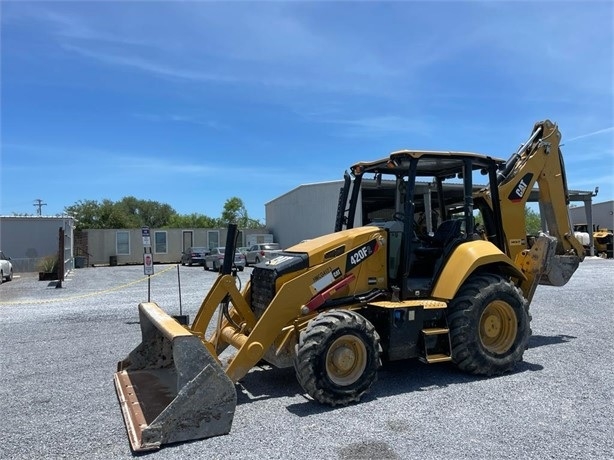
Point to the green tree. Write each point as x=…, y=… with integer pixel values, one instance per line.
x=129, y=212
x=533, y=221
x=191, y=221
x=86, y=214
x=148, y=213
x=235, y=212
x=253, y=223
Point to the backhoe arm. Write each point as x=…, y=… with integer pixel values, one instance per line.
x=539, y=161
x=553, y=258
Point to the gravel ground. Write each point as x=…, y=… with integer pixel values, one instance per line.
x=59, y=349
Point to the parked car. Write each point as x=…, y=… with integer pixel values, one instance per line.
x=262, y=252
x=243, y=249
x=6, y=268
x=215, y=259
x=195, y=255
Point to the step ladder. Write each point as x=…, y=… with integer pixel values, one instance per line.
x=436, y=345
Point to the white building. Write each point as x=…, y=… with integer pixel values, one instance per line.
x=28, y=239
x=303, y=213
x=310, y=210
x=602, y=214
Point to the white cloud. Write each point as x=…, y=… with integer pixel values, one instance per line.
x=176, y=118
x=594, y=133
x=381, y=125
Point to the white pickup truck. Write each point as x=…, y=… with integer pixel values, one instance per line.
x=262, y=252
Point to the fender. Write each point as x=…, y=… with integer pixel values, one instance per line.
x=464, y=260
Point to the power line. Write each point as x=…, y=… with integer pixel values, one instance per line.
x=38, y=203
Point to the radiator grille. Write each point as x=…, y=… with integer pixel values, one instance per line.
x=263, y=289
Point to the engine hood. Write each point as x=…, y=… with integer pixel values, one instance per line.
x=323, y=248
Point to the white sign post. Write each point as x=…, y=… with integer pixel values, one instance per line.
x=148, y=264
x=146, y=237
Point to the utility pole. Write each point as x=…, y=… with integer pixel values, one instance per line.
x=38, y=203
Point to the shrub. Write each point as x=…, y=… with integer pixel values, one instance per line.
x=48, y=264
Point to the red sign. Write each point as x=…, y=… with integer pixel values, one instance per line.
x=148, y=264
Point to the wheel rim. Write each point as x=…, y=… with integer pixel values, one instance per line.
x=498, y=327
x=346, y=360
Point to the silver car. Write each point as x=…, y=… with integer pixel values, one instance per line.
x=6, y=268
x=215, y=259
x=262, y=252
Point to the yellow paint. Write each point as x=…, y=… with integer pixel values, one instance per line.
x=465, y=259
x=424, y=303
x=165, y=323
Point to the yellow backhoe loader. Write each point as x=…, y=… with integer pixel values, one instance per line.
x=377, y=288
x=603, y=240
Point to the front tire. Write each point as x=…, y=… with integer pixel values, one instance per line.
x=489, y=325
x=337, y=357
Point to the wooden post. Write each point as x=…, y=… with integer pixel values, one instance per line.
x=60, y=259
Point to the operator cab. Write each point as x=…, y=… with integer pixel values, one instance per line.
x=424, y=201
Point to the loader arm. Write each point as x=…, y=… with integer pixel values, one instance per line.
x=555, y=257
x=298, y=293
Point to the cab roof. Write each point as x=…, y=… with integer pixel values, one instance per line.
x=433, y=163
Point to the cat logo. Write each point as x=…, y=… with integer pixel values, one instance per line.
x=521, y=187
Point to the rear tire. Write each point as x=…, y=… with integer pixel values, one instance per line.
x=337, y=357
x=10, y=277
x=489, y=325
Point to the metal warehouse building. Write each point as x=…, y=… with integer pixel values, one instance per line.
x=28, y=239
x=310, y=210
x=303, y=213
x=602, y=214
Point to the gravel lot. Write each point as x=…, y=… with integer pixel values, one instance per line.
x=60, y=348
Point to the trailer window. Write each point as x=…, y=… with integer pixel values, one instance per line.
x=160, y=242
x=122, y=243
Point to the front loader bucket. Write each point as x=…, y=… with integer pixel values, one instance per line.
x=170, y=388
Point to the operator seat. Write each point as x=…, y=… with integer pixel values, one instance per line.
x=445, y=233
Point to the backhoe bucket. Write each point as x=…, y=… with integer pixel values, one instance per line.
x=170, y=388
x=556, y=269
x=559, y=270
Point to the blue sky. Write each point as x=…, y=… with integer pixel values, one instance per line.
x=191, y=103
